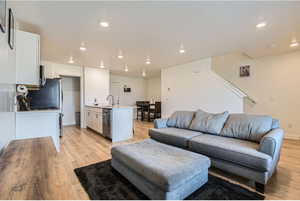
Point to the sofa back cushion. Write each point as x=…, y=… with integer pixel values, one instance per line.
x=181, y=119
x=275, y=123
x=208, y=122
x=247, y=127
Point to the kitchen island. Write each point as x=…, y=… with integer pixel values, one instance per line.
x=39, y=123
x=113, y=122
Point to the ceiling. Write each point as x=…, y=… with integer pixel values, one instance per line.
x=157, y=29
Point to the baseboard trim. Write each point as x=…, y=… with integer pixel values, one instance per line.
x=69, y=124
x=290, y=136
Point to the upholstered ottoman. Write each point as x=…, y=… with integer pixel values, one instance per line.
x=161, y=171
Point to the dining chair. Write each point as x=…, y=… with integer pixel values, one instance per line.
x=157, y=109
x=145, y=110
x=155, y=112
x=139, y=110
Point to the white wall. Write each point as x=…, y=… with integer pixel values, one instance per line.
x=7, y=88
x=154, y=88
x=138, y=89
x=7, y=97
x=7, y=114
x=274, y=83
x=194, y=86
x=71, y=103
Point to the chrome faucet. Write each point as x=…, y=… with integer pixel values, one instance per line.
x=112, y=99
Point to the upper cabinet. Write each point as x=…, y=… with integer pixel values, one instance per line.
x=56, y=70
x=96, y=84
x=27, y=58
x=7, y=61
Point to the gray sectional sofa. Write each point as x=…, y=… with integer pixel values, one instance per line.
x=242, y=144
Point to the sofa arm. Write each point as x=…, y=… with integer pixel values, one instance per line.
x=271, y=143
x=160, y=123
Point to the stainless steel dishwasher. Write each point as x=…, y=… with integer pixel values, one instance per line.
x=106, y=122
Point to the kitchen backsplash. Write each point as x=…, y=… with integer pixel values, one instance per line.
x=7, y=98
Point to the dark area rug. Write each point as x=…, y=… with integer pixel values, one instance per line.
x=102, y=182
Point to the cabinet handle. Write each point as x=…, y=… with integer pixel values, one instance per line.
x=88, y=114
x=97, y=116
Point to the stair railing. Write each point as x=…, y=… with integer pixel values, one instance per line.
x=237, y=90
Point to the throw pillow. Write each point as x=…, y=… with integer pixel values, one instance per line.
x=208, y=122
x=247, y=127
x=181, y=119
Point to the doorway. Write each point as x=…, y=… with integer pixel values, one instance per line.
x=71, y=101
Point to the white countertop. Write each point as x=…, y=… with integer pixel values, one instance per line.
x=96, y=106
x=121, y=107
x=40, y=111
x=113, y=107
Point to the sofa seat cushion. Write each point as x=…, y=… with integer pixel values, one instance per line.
x=208, y=122
x=173, y=136
x=165, y=166
x=181, y=119
x=244, y=153
x=247, y=127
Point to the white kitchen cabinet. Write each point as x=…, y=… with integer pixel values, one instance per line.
x=7, y=62
x=94, y=119
x=96, y=83
x=49, y=69
x=97, y=121
x=27, y=58
x=55, y=70
x=88, y=118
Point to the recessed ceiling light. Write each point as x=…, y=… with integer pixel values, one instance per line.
x=261, y=25
x=126, y=68
x=104, y=24
x=82, y=47
x=71, y=61
x=120, y=56
x=294, y=43
x=148, y=61
x=102, y=64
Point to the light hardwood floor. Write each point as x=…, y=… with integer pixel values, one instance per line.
x=31, y=169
